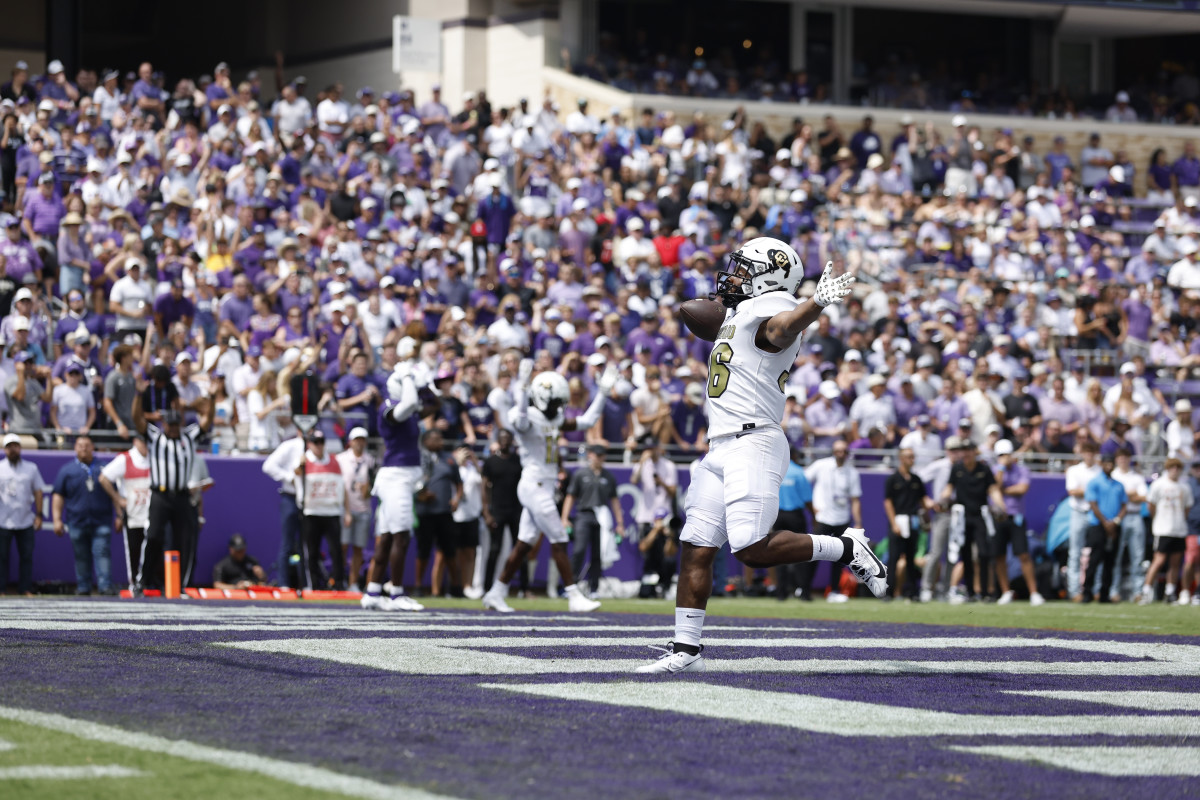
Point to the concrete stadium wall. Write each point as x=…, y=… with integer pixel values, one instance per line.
x=1137, y=140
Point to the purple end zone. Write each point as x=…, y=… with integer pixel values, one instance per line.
x=447, y=734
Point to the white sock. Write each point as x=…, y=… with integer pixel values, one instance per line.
x=375, y=589
x=826, y=548
x=1170, y=588
x=397, y=591
x=689, y=622
x=499, y=589
x=571, y=590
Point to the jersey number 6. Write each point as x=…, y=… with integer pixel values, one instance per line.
x=718, y=369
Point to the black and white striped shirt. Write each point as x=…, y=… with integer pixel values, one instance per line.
x=171, y=459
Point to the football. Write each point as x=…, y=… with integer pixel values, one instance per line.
x=703, y=318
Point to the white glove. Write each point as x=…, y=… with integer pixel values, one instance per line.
x=608, y=379
x=525, y=371
x=832, y=290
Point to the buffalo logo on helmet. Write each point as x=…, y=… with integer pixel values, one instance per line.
x=780, y=259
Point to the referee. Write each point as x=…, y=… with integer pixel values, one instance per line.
x=172, y=453
x=591, y=489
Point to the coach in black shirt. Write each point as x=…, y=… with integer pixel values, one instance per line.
x=971, y=484
x=239, y=569
x=904, y=495
x=501, y=508
x=171, y=452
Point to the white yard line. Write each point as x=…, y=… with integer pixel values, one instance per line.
x=1134, y=761
x=1147, y=701
x=287, y=771
x=87, y=772
x=844, y=717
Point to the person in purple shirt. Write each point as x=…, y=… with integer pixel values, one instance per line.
x=496, y=211
x=357, y=393
x=948, y=410
x=1138, y=315
x=908, y=405
x=1058, y=408
x=690, y=423
x=172, y=307
x=1014, y=480
x=238, y=306
x=43, y=211
x=20, y=256
x=648, y=335
x=369, y=218
x=1186, y=170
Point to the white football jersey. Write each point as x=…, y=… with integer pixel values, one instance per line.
x=745, y=384
x=537, y=445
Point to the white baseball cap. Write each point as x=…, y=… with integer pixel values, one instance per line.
x=357, y=433
x=1003, y=448
x=829, y=389
x=22, y=294
x=11, y=438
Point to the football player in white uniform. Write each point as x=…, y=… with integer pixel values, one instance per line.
x=536, y=430
x=734, y=495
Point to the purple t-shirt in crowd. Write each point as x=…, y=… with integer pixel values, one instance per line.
x=237, y=310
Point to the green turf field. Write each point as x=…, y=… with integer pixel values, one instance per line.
x=1121, y=618
x=162, y=777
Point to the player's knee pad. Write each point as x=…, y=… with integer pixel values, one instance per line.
x=702, y=532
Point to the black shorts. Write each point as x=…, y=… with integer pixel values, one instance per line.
x=468, y=533
x=1010, y=532
x=1170, y=545
x=436, y=529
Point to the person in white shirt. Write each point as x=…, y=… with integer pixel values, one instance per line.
x=466, y=516
x=358, y=473
x=837, y=501
x=1180, y=435
x=1094, y=162
x=925, y=444
x=1169, y=498
x=1120, y=110
x=126, y=479
x=293, y=114
x=1185, y=273
x=132, y=298
x=1133, y=531
x=580, y=122
x=506, y=332
x=1078, y=476
x=321, y=495
x=20, y=511
x=635, y=246
x=875, y=408
x=333, y=114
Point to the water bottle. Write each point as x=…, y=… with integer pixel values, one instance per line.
x=216, y=448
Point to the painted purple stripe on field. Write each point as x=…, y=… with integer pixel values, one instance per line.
x=447, y=734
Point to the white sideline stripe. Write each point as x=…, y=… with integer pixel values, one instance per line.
x=1148, y=701
x=296, y=774
x=6, y=745
x=39, y=772
x=351, y=624
x=1114, y=761
x=453, y=657
x=843, y=717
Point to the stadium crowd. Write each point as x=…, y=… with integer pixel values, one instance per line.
x=204, y=243
x=910, y=78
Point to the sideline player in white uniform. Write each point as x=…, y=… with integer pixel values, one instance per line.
x=734, y=494
x=537, y=430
